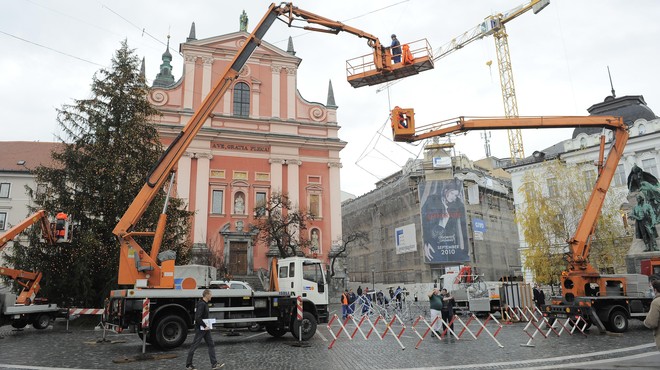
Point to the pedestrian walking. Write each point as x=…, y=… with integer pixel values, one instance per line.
x=447, y=311
x=653, y=318
x=539, y=296
x=435, y=300
x=202, y=331
x=366, y=301
x=351, y=301
x=359, y=290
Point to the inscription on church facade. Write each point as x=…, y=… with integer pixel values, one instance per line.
x=240, y=147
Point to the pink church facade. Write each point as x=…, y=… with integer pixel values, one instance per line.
x=263, y=137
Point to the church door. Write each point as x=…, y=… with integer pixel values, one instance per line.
x=238, y=258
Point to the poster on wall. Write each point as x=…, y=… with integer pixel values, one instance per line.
x=405, y=239
x=479, y=228
x=444, y=223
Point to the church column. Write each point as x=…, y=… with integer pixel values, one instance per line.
x=293, y=181
x=189, y=81
x=293, y=185
x=290, y=93
x=275, y=102
x=254, y=104
x=335, y=201
x=183, y=178
x=276, y=174
x=206, y=81
x=202, y=198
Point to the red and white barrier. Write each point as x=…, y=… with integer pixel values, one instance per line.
x=364, y=320
x=482, y=328
x=569, y=326
x=299, y=304
x=86, y=311
x=145, y=313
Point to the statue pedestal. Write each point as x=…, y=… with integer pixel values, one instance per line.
x=636, y=254
x=200, y=254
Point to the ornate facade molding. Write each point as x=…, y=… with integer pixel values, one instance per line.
x=275, y=68
x=291, y=70
x=197, y=155
x=294, y=162
x=335, y=165
x=190, y=58
x=276, y=161
x=207, y=60
x=158, y=97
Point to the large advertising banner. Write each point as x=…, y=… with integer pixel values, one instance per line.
x=444, y=223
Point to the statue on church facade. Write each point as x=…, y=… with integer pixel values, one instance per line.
x=244, y=21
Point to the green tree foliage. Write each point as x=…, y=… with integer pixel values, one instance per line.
x=554, y=200
x=278, y=223
x=108, y=147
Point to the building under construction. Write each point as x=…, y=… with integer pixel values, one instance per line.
x=395, y=217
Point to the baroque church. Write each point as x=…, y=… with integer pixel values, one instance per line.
x=262, y=138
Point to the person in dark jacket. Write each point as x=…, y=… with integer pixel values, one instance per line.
x=539, y=296
x=447, y=311
x=202, y=331
x=396, y=49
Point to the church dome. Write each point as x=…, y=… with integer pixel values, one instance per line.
x=631, y=108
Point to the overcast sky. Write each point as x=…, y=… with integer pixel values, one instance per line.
x=559, y=59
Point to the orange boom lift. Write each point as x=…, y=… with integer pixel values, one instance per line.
x=57, y=232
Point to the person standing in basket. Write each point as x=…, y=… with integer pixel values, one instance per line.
x=202, y=331
x=396, y=49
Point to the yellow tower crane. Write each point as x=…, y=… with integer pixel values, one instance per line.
x=494, y=25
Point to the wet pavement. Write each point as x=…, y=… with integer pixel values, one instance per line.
x=56, y=348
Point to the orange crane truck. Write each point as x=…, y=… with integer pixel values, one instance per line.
x=151, y=274
x=26, y=308
x=607, y=301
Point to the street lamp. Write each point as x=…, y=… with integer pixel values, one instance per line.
x=373, y=280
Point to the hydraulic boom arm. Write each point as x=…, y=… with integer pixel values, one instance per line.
x=52, y=233
x=134, y=262
x=38, y=217
x=403, y=126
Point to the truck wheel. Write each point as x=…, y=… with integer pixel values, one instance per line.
x=42, y=321
x=308, y=325
x=275, y=330
x=171, y=332
x=618, y=321
x=19, y=324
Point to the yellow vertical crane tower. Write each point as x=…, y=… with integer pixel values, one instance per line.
x=494, y=25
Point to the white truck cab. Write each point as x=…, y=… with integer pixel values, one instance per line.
x=303, y=277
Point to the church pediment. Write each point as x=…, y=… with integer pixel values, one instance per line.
x=231, y=42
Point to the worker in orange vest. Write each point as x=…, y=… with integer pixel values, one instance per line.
x=344, y=304
x=60, y=225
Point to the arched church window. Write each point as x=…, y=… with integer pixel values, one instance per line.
x=241, y=100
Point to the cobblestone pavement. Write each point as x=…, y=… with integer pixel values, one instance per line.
x=54, y=347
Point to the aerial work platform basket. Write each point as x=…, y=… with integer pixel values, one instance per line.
x=362, y=71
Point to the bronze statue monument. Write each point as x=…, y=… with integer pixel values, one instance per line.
x=647, y=211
